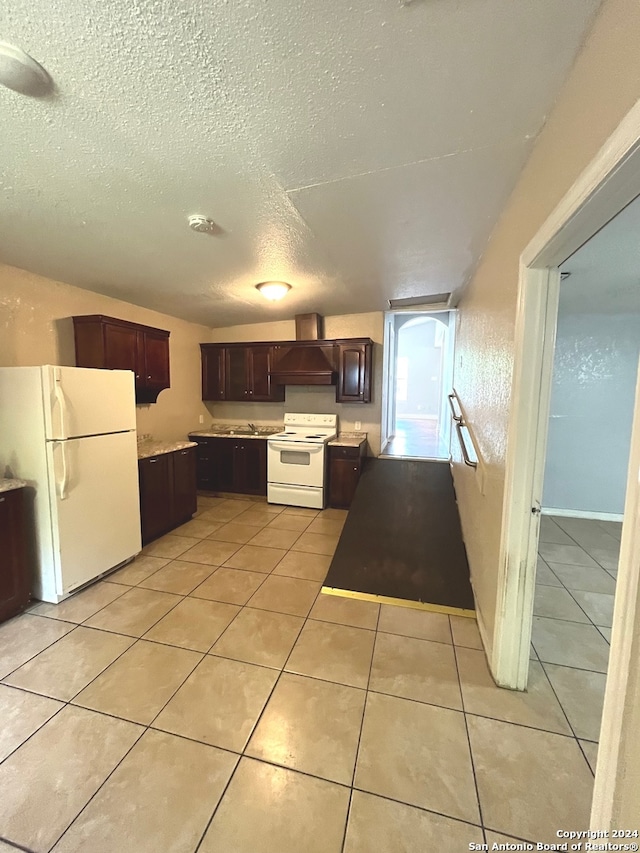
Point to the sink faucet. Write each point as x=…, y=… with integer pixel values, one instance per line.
x=253, y=427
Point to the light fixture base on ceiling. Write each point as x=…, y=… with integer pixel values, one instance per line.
x=273, y=290
x=21, y=73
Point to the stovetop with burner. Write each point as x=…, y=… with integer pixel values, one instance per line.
x=310, y=428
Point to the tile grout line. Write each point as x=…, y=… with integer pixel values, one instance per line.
x=364, y=710
x=248, y=740
x=466, y=728
x=145, y=729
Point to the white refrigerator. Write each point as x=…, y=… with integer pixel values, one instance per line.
x=70, y=432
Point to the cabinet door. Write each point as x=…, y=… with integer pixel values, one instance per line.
x=222, y=464
x=185, y=499
x=237, y=374
x=156, y=360
x=250, y=464
x=354, y=373
x=15, y=579
x=259, y=362
x=214, y=361
x=121, y=349
x=155, y=496
x=204, y=465
x=344, y=473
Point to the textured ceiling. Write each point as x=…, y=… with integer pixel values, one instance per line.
x=605, y=272
x=360, y=151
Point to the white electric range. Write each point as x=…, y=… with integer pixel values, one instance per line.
x=297, y=460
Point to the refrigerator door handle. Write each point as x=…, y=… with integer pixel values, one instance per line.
x=62, y=404
x=63, y=485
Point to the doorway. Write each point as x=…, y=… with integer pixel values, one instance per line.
x=606, y=187
x=417, y=378
x=595, y=368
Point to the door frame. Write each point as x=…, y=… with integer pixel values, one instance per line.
x=604, y=188
x=388, y=415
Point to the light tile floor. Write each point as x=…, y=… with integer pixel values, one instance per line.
x=208, y=697
x=573, y=611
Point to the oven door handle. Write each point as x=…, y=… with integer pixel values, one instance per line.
x=296, y=445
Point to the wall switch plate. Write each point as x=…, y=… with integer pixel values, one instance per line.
x=201, y=419
x=358, y=425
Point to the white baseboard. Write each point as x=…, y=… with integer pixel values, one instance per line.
x=579, y=513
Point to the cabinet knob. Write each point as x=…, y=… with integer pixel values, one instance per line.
x=137, y=376
x=2, y=500
x=152, y=461
x=149, y=377
x=250, y=392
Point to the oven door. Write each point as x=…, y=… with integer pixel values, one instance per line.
x=295, y=463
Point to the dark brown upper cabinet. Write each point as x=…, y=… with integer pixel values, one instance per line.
x=259, y=371
x=113, y=344
x=354, y=371
x=214, y=372
x=239, y=372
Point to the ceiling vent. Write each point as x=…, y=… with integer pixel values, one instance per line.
x=432, y=300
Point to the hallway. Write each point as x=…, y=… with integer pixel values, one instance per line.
x=226, y=704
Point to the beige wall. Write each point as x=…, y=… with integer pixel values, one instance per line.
x=35, y=328
x=307, y=398
x=603, y=85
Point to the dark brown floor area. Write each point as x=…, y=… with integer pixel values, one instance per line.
x=402, y=537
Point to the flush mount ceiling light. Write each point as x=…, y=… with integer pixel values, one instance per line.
x=18, y=71
x=273, y=290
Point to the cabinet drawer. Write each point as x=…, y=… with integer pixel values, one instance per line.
x=345, y=452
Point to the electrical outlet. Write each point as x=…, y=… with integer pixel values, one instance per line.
x=358, y=425
x=201, y=419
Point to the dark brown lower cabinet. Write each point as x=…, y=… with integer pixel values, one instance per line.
x=15, y=579
x=155, y=496
x=232, y=465
x=345, y=467
x=168, y=491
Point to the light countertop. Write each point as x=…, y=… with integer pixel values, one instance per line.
x=155, y=448
x=231, y=431
x=10, y=485
x=349, y=439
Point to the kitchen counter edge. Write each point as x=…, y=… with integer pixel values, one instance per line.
x=7, y=485
x=146, y=449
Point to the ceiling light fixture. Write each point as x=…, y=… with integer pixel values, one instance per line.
x=273, y=290
x=18, y=71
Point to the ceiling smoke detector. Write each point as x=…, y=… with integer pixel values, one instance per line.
x=202, y=225
x=18, y=71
